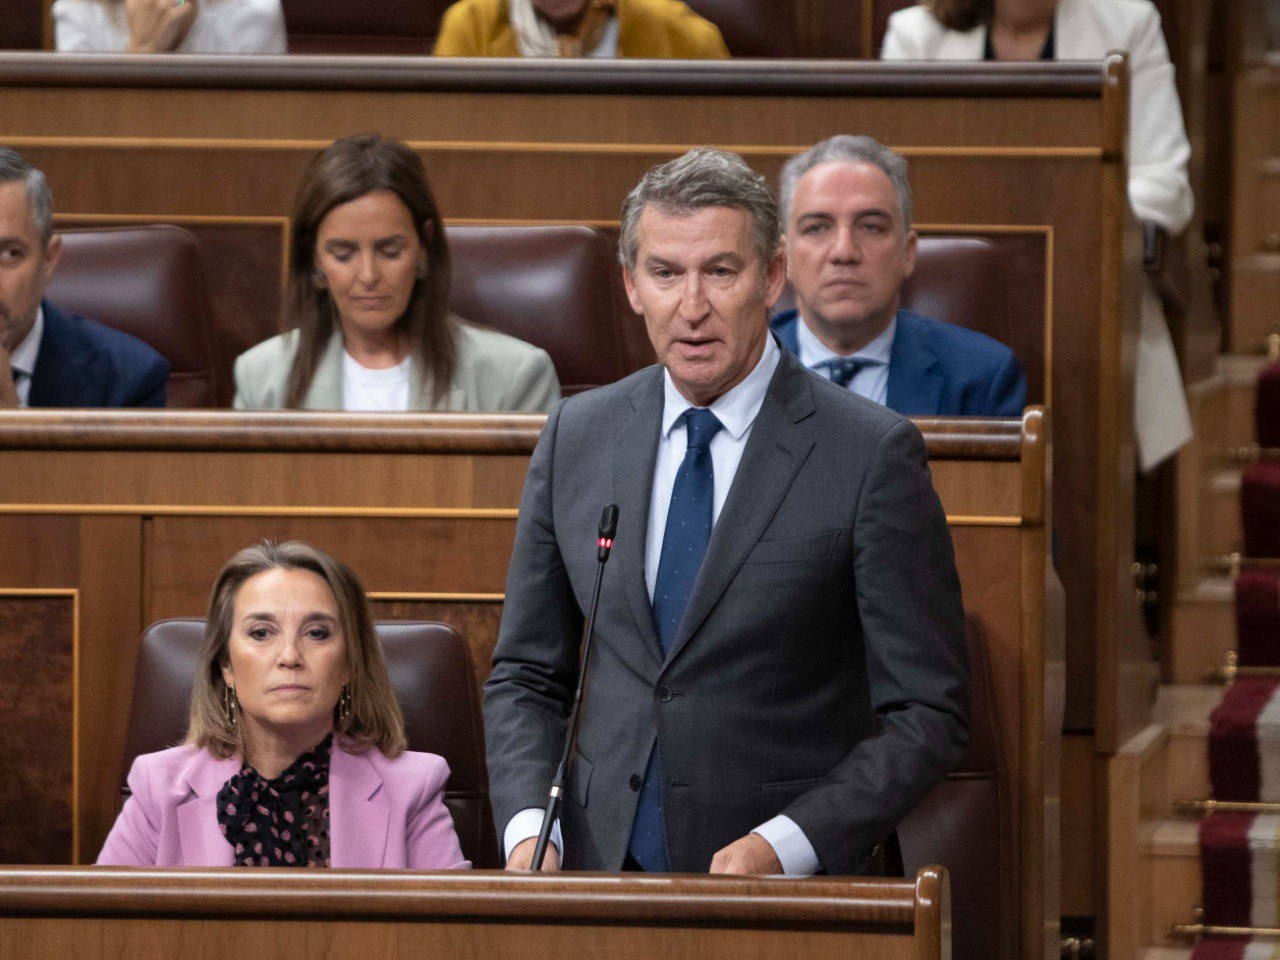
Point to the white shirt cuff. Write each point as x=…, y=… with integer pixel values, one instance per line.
x=793, y=848
x=525, y=824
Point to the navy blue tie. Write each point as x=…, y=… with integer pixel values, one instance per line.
x=843, y=369
x=684, y=544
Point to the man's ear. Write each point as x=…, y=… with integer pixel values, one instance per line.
x=786, y=248
x=776, y=276
x=912, y=248
x=629, y=282
x=52, y=254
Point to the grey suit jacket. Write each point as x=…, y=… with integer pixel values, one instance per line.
x=495, y=372
x=820, y=670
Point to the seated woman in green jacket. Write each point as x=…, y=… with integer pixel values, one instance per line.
x=654, y=29
x=366, y=310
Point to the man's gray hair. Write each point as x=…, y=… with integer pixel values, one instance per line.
x=848, y=149
x=15, y=168
x=703, y=177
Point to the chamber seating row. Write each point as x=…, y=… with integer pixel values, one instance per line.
x=558, y=287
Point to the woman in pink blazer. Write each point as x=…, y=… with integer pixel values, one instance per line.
x=295, y=752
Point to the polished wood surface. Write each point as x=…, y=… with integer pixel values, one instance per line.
x=423, y=507
x=1021, y=150
x=357, y=914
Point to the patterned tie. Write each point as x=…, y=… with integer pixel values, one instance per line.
x=841, y=370
x=683, y=546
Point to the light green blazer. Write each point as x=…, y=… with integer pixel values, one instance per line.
x=495, y=372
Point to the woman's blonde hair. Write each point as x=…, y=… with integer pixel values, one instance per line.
x=375, y=719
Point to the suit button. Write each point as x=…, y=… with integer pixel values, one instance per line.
x=664, y=693
x=636, y=782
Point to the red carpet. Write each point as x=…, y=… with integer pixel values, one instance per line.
x=1249, y=714
x=1267, y=410
x=1258, y=616
x=1260, y=509
x=1236, y=948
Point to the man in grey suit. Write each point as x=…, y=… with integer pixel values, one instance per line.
x=779, y=670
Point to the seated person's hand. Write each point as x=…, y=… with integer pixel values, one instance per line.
x=158, y=26
x=522, y=856
x=753, y=854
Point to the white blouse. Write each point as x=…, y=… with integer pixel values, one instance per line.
x=221, y=26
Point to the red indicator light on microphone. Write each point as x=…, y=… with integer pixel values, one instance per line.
x=607, y=544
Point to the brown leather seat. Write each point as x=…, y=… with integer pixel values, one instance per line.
x=550, y=286
x=966, y=825
x=146, y=282
x=430, y=671
x=388, y=27
x=752, y=28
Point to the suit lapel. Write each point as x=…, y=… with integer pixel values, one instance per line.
x=61, y=377
x=915, y=378
x=199, y=834
x=775, y=452
x=634, y=459
x=358, y=811
x=325, y=392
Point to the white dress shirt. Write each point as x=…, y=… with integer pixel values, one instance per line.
x=737, y=411
x=872, y=381
x=221, y=26
x=23, y=359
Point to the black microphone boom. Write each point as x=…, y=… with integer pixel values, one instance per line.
x=604, y=544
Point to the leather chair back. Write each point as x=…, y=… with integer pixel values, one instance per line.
x=388, y=27
x=966, y=825
x=430, y=672
x=144, y=281
x=549, y=286
x=752, y=28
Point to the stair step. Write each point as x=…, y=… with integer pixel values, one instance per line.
x=1203, y=629
x=1185, y=709
x=1172, y=848
x=1221, y=531
x=1239, y=373
x=1168, y=953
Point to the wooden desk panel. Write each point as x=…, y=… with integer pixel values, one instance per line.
x=354, y=915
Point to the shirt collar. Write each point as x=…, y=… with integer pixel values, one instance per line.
x=23, y=357
x=738, y=408
x=813, y=351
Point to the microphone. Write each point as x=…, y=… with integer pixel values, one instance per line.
x=604, y=544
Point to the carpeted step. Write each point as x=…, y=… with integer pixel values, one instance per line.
x=1267, y=407
x=1238, y=865
x=1236, y=948
x=1260, y=509
x=1258, y=616
x=1244, y=742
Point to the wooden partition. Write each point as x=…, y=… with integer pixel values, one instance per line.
x=123, y=518
x=1031, y=155
x=354, y=915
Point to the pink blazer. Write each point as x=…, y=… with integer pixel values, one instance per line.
x=383, y=813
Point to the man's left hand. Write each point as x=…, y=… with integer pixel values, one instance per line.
x=752, y=854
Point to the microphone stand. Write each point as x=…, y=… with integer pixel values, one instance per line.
x=608, y=527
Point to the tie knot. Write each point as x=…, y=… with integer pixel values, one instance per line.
x=702, y=426
x=843, y=369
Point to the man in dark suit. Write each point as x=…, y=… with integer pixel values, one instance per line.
x=779, y=672
x=49, y=358
x=846, y=207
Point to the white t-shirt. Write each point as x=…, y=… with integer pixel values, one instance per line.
x=366, y=389
x=222, y=26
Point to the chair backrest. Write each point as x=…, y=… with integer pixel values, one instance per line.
x=144, y=281
x=387, y=27
x=550, y=286
x=752, y=28
x=966, y=825
x=430, y=672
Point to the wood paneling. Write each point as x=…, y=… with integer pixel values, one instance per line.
x=37, y=674
x=1255, y=222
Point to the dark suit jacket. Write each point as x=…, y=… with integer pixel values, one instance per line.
x=820, y=670
x=938, y=369
x=85, y=364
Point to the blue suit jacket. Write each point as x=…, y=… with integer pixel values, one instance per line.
x=85, y=364
x=940, y=369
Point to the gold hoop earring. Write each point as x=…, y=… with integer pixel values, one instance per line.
x=344, y=706
x=230, y=705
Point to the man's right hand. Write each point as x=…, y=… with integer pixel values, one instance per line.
x=158, y=26
x=522, y=856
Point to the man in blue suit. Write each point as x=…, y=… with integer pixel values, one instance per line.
x=49, y=358
x=846, y=205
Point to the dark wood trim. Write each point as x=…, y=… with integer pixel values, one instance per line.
x=748, y=78
x=392, y=895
